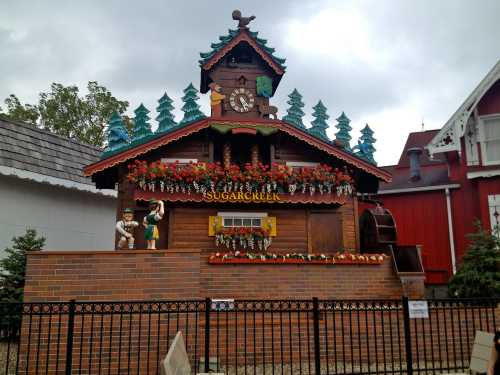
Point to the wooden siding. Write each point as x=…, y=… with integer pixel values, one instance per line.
x=490, y=102
x=422, y=220
x=490, y=186
x=228, y=79
x=287, y=148
x=189, y=226
x=186, y=225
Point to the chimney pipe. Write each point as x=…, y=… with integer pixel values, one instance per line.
x=414, y=156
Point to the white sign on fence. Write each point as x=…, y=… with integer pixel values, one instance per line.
x=418, y=309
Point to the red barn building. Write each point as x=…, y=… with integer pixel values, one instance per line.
x=446, y=179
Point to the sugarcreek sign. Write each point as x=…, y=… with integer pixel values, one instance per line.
x=242, y=197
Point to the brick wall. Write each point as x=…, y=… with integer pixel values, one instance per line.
x=185, y=274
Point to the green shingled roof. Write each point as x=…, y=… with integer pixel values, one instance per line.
x=225, y=39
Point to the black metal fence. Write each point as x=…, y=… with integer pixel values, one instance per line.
x=250, y=337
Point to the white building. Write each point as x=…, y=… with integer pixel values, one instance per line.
x=42, y=187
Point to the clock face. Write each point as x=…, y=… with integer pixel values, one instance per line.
x=241, y=100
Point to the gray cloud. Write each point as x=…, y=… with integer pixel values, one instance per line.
x=390, y=63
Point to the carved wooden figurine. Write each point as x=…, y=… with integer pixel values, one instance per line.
x=242, y=21
x=266, y=109
x=216, y=99
x=150, y=222
x=125, y=228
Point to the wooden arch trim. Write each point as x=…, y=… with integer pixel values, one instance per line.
x=243, y=36
x=187, y=130
x=144, y=148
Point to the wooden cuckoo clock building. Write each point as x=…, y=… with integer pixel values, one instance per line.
x=266, y=172
x=243, y=189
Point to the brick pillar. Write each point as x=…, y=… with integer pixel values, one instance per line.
x=413, y=286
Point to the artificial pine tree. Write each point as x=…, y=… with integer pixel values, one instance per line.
x=319, y=124
x=142, y=128
x=165, y=117
x=190, y=108
x=13, y=267
x=295, y=113
x=365, y=144
x=479, y=275
x=117, y=133
x=342, y=136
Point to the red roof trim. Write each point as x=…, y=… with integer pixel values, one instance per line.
x=205, y=123
x=335, y=151
x=243, y=36
x=146, y=147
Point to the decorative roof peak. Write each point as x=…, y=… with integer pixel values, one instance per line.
x=224, y=40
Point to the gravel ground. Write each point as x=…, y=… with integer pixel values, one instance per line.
x=4, y=348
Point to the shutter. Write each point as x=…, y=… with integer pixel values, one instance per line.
x=213, y=221
x=270, y=222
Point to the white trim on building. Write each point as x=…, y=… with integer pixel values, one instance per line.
x=418, y=189
x=54, y=181
x=494, y=209
x=448, y=138
x=301, y=164
x=483, y=174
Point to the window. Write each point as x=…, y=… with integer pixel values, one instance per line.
x=301, y=164
x=242, y=219
x=490, y=139
x=179, y=161
x=494, y=208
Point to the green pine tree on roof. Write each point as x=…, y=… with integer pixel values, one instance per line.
x=295, y=113
x=342, y=136
x=165, y=117
x=142, y=128
x=190, y=108
x=116, y=133
x=319, y=124
x=365, y=145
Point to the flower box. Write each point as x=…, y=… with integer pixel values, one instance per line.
x=250, y=182
x=319, y=259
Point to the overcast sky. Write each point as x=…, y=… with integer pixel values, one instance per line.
x=386, y=63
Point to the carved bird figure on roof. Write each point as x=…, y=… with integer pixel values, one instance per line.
x=242, y=21
x=119, y=134
x=362, y=147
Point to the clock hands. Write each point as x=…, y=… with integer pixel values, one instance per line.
x=241, y=100
x=244, y=103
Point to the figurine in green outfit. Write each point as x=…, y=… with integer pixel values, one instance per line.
x=150, y=222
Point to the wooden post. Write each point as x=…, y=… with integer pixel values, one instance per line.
x=226, y=157
x=255, y=155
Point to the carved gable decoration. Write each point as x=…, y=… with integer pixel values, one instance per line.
x=247, y=71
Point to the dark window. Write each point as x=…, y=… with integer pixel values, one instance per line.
x=241, y=54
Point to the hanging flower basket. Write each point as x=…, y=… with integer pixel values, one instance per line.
x=202, y=178
x=243, y=238
x=240, y=257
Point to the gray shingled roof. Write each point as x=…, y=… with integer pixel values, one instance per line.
x=29, y=148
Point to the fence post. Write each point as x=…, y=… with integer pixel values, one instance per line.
x=208, y=307
x=406, y=321
x=317, y=359
x=69, y=337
